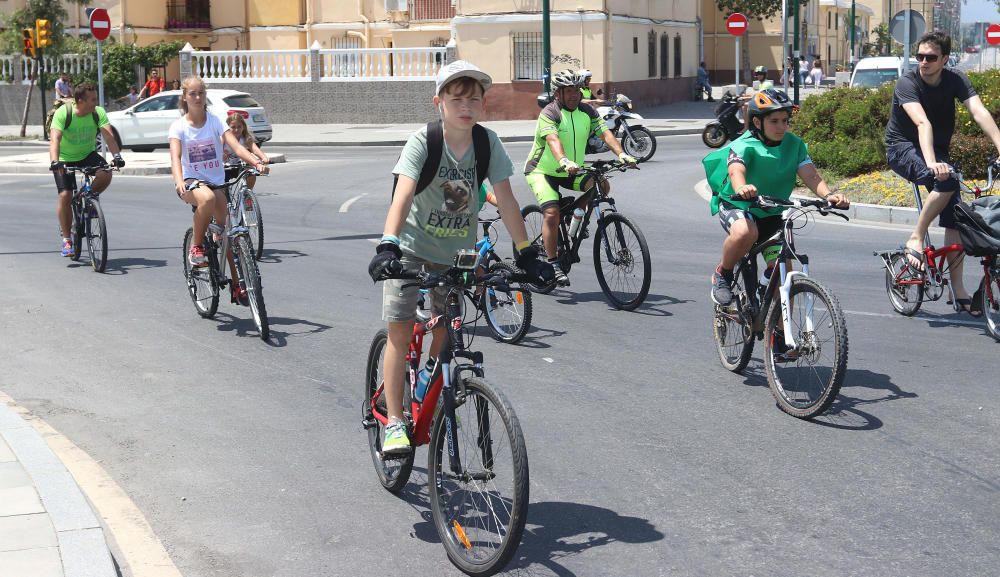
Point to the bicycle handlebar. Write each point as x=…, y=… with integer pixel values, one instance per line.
x=602, y=167
x=823, y=206
x=455, y=278
x=89, y=170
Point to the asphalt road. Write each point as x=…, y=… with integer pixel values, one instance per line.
x=647, y=457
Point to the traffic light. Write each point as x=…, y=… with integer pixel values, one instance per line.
x=43, y=33
x=28, y=41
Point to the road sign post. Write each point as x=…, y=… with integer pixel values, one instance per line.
x=736, y=25
x=993, y=34
x=100, y=28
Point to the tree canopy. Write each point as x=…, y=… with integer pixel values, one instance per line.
x=759, y=9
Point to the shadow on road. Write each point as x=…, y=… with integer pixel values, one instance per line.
x=651, y=306
x=121, y=266
x=275, y=255
x=535, y=339
x=244, y=326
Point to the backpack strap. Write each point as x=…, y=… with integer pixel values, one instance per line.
x=481, y=148
x=70, y=115
x=435, y=147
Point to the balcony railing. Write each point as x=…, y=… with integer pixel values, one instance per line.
x=188, y=15
x=381, y=64
x=431, y=10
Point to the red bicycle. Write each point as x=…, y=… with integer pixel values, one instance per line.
x=477, y=465
x=908, y=287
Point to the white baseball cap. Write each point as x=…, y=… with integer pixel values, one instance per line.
x=460, y=69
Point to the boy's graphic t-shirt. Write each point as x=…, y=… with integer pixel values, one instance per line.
x=201, y=149
x=443, y=218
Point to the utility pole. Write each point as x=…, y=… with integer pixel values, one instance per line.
x=546, y=48
x=853, y=34
x=796, y=50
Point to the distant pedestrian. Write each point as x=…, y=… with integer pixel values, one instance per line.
x=703, y=84
x=64, y=88
x=153, y=86
x=175, y=85
x=817, y=72
x=803, y=69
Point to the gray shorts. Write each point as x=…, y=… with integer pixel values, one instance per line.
x=400, y=304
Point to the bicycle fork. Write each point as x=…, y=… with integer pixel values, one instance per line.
x=785, y=294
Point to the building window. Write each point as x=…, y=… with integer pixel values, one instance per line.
x=828, y=22
x=651, y=45
x=528, y=56
x=635, y=45
x=677, y=55
x=836, y=22
x=664, y=61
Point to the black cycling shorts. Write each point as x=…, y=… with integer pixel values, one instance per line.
x=67, y=181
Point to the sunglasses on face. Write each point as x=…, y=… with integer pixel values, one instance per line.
x=927, y=57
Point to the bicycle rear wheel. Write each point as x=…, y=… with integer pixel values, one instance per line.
x=533, y=221
x=639, y=143
x=253, y=221
x=621, y=259
x=393, y=473
x=904, y=298
x=251, y=281
x=202, y=282
x=480, y=512
x=805, y=382
x=97, y=234
x=507, y=312
x=990, y=300
x=733, y=328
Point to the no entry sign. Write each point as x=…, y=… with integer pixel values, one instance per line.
x=100, y=24
x=736, y=24
x=993, y=34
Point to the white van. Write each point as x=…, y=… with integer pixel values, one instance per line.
x=877, y=70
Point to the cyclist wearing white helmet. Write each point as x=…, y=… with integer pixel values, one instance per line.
x=561, y=134
x=760, y=77
x=585, y=91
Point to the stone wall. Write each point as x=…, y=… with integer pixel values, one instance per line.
x=12, y=105
x=341, y=102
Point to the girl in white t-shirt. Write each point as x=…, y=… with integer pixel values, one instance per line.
x=196, y=141
x=238, y=126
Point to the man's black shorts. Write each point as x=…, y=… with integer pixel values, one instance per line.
x=66, y=181
x=906, y=161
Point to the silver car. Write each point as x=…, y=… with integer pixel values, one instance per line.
x=144, y=125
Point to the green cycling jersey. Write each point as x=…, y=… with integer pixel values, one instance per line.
x=574, y=127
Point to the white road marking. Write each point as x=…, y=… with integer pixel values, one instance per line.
x=347, y=204
x=547, y=360
x=977, y=323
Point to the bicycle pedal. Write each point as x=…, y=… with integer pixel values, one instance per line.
x=395, y=456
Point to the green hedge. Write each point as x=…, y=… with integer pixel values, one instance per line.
x=845, y=128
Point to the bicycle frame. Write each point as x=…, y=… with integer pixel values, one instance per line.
x=442, y=385
x=569, y=247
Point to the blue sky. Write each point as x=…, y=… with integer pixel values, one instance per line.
x=980, y=11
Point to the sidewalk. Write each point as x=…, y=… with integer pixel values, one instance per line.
x=47, y=527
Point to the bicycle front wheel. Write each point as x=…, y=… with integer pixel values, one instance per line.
x=990, y=300
x=97, y=234
x=508, y=312
x=479, y=512
x=733, y=329
x=904, y=298
x=621, y=259
x=392, y=473
x=202, y=282
x=533, y=223
x=253, y=221
x=251, y=281
x=639, y=143
x=805, y=380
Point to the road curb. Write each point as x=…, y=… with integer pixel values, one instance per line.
x=858, y=211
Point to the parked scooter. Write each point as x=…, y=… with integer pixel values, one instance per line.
x=727, y=124
x=636, y=139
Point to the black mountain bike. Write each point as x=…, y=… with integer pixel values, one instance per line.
x=477, y=463
x=206, y=282
x=88, y=218
x=621, y=256
x=799, y=320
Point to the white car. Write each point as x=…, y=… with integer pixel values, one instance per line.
x=144, y=125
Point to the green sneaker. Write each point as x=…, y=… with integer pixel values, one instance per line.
x=396, y=442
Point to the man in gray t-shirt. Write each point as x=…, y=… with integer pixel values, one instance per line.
x=917, y=137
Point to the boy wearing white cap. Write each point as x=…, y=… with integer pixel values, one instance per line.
x=434, y=214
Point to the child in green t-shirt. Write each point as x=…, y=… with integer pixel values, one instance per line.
x=766, y=158
x=425, y=229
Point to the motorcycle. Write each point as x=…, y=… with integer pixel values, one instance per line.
x=727, y=124
x=636, y=139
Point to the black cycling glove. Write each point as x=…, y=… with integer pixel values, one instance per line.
x=528, y=261
x=386, y=261
x=118, y=161
x=56, y=165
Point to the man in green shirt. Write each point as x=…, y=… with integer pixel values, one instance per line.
x=72, y=142
x=558, y=152
x=767, y=158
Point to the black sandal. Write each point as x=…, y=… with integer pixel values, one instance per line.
x=969, y=307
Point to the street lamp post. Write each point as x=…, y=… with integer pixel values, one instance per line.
x=853, y=34
x=546, y=47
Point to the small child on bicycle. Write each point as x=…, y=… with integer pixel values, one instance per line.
x=426, y=228
x=238, y=126
x=196, y=141
x=767, y=158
